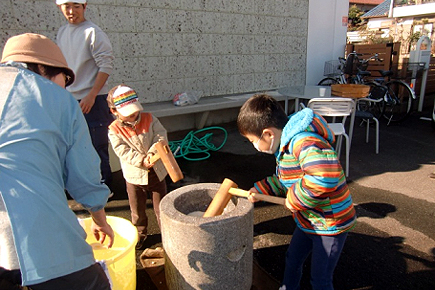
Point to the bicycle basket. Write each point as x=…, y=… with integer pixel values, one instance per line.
x=377, y=92
x=416, y=66
x=332, y=68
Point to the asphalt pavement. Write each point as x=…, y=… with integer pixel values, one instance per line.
x=393, y=243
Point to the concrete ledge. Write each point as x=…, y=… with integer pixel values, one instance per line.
x=202, y=109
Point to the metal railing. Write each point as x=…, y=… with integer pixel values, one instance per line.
x=402, y=3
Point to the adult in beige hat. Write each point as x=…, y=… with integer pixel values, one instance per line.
x=88, y=52
x=40, y=55
x=45, y=148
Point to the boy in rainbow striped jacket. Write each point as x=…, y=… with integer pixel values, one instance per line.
x=310, y=176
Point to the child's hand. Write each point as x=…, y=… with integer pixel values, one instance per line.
x=250, y=197
x=289, y=206
x=147, y=161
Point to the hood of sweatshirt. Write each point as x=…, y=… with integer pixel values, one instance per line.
x=305, y=120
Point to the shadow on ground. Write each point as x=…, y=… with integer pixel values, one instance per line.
x=371, y=259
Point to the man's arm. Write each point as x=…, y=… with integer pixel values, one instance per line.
x=88, y=102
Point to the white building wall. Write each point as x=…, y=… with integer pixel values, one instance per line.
x=327, y=27
x=163, y=47
x=414, y=10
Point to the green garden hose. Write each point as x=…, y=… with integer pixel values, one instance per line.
x=192, y=144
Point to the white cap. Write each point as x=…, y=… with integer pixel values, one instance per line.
x=60, y=2
x=126, y=101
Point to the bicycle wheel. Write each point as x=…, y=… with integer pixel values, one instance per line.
x=398, y=101
x=327, y=82
x=377, y=93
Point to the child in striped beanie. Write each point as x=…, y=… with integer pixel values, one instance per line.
x=133, y=135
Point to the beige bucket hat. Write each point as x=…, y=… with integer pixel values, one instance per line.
x=35, y=48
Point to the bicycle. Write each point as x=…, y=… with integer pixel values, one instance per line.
x=391, y=99
x=341, y=71
x=396, y=97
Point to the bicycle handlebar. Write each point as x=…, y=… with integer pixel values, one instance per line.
x=364, y=61
x=376, y=57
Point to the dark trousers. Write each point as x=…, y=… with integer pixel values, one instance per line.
x=100, y=140
x=91, y=278
x=325, y=252
x=137, y=198
x=98, y=119
x=10, y=279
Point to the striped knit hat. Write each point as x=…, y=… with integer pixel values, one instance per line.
x=126, y=101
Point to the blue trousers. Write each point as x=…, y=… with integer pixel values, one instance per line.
x=98, y=119
x=325, y=252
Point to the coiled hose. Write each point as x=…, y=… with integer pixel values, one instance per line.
x=192, y=144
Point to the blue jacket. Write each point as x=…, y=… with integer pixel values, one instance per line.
x=45, y=147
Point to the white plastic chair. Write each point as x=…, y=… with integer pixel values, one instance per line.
x=367, y=116
x=335, y=107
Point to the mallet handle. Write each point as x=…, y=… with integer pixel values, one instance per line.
x=263, y=197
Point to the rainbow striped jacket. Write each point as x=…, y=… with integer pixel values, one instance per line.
x=310, y=176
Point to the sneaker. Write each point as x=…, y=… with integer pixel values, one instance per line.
x=432, y=175
x=140, y=243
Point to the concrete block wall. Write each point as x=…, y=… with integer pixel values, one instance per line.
x=163, y=47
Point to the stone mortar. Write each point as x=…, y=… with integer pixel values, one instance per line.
x=206, y=253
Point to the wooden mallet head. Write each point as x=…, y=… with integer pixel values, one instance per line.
x=221, y=199
x=165, y=154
